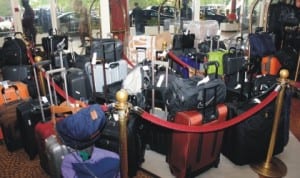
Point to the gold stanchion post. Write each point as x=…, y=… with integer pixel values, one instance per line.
x=122, y=107
x=272, y=166
x=40, y=77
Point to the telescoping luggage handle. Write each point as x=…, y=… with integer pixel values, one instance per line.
x=39, y=66
x=63, y=71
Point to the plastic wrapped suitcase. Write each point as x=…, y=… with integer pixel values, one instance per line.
x=100, y=163
x=193, y=153
x=114, y=71
x=78, y=84
x=12, y=91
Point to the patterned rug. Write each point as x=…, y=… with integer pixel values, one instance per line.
x=17, y=165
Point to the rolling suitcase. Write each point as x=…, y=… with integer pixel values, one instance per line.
x=12, y=91
x=45, y=129
x=17, y=72
x=28, y=115
x=55, y=153
x=78, y=84
x=109, y=140
x=10, y=126
x=114, y=71
x=248, y=141
x=193, y=153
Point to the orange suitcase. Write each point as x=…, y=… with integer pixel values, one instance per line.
x=13, y=91
x=270, y=65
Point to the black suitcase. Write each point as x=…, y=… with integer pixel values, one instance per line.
x=248, y=141
x=17, y=72
x=109, y=140
x=28, y=115
x=109, y=49
x=78, y=84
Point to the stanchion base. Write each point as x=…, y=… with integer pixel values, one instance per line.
x=275, y=169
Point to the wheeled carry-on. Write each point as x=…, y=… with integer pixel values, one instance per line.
x=193, y=153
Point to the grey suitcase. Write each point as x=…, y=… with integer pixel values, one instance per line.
x=114, y=72
x=55, y=154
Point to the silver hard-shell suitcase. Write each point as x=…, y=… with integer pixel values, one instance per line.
x=55, y=152
x=114, y=72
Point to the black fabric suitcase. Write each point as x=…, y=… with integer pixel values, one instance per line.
x=109, y=49
x=78, y=84
x=28, y=115
x=248, y=141
x=109, y=140
x=17, y=72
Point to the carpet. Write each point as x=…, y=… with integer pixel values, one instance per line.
x=17, y=165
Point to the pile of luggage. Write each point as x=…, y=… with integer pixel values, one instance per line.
x=206, y=85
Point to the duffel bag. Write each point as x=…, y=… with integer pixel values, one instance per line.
x=194, y=93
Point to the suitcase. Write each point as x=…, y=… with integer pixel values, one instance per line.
x=193, y=61
x=216, y=56
x=270, y=65
x=109, y=49
x=114, y=71
x=248, y=141
x=22, y=73
x=78, y=84
x=109, y=140
x=12, y=91
x=55, y=153
x=17, y=72
x=28, y=115
x=10, y=126
x=233, y=61
x=193, y=153
x=101, y=163
x=45, y=129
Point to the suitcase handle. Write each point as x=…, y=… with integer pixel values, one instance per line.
x=113, y=65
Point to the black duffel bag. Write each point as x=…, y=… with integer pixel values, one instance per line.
x=109, y=49
x=193, y=93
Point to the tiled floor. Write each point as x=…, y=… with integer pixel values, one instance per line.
x=156, y=164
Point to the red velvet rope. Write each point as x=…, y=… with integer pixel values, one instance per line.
x=177, y=60
x=210, y=128
x=179, y=127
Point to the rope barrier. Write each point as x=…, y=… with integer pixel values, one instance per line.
x=213, y=127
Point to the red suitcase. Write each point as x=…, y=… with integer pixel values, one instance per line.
x=193, y=153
